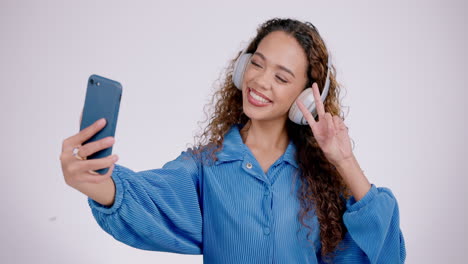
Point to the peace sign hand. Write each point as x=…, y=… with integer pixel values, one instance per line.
x=330, y=132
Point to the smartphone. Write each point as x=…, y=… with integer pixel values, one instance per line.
x=102, y=101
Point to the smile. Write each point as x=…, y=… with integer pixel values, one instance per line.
x=257, y=99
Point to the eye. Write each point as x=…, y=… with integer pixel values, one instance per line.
x=254, y=63
x=281, y=80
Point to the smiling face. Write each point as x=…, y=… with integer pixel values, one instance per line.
x=274, y=78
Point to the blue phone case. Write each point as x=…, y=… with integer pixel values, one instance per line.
x=102, y=101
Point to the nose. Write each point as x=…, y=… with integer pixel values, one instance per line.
x=262, y=80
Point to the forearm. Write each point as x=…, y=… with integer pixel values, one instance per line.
x=354, y=178
x=103, y=193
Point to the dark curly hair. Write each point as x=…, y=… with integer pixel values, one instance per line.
x=322, y=190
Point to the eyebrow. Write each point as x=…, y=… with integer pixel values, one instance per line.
x=279, y=66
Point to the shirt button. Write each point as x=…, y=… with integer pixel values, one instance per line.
x=266, y=230
x=249, y=165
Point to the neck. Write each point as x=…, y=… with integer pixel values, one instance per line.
x=265, y=135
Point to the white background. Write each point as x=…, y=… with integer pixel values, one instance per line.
x=403, y=65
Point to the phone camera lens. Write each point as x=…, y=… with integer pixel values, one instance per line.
x=91, y=81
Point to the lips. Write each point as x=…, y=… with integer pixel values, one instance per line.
x=259, y=94
x=256, y=100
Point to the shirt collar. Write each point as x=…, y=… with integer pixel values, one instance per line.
x=235, y=149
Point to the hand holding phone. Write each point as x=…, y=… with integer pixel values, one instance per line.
x=79, y=173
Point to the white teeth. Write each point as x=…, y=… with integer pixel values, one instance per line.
x=258, y=98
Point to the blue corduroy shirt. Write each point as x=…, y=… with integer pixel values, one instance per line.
x=232, y=212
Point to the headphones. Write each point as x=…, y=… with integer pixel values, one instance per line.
x=307, y=97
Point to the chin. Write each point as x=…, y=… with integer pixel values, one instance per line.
x=256, y=115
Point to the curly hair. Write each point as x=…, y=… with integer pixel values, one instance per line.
x=322, y=190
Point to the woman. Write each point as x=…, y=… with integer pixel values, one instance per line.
x=258, y=188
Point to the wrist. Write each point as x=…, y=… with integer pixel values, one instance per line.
x=346, y=163
x=353, y=177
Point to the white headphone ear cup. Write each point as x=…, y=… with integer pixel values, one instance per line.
x=307, y=98
x=239, y=69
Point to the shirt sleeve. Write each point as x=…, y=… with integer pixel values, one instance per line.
x=156, y=209
x=373, y=225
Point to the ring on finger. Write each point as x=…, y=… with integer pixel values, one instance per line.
x=75, y=153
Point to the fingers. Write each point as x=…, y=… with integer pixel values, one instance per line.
x=97, y=164
x=337, y=122
x=96, y=178
x=90, y=131
x=318, y=101
x=330, y=125
x=78, y=171
x=95, y=146
x=307, y=115
x=83, y=135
